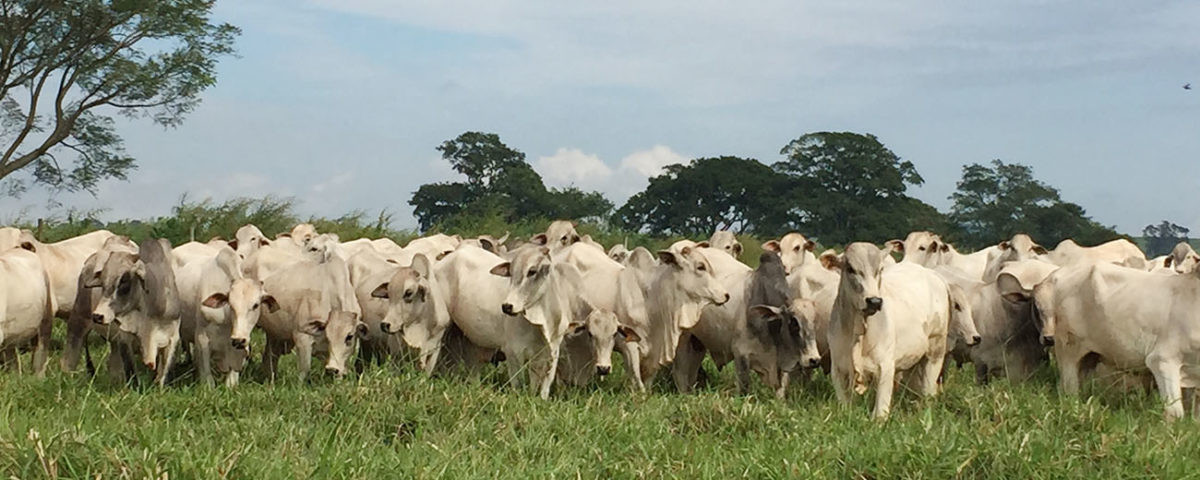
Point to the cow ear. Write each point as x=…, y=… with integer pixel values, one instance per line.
x=539, y=239
x=487, y=245
x=933, y=247
x=945, y=247
x=629, y=334
x=1040, y=250
x=93, y=281
x=889, y=247
x=737, y=249
x=503, y=269
x=271, y=303
x=1003, y=245
x=1167, y=261
x=381, y=291
x=420, y=264
x=443, y=254
x=810, y=245
x=421, y=293
x=262, y=242
x=702, y=245
x=1010, y=288
x=232, y=244
x=28, y=246
x=766, y=311
x=668, y=257
x=362, y=331
x=772, y=246
x=314, y=327
x=896, y=245
x=216, y=300
x=575, y=328
x=830, y=261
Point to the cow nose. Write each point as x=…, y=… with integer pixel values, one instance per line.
x=507, y=309
x=238, y=343
x=337, y=372
x=1048, y=340
x=874, y=304
x=98, y=318
x=975, y=340
x=726, y=300
x=603, y=370
x=813, y=362
x=149, y=364
x=386, y=327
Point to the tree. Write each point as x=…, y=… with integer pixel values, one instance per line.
x=994, y=202
x=848, y=186
x=709, y=194
x=66, y=66
x=1162, y=238
x=499, y=182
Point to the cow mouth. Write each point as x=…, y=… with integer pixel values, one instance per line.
x=868, y=311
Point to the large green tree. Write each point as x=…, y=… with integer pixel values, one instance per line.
x=68, y=66
x=1162, y=238
x=498, y=182
x=709, y=194
x=848, y=186
x=995, y=201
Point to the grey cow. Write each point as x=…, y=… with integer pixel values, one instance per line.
x=780, y=333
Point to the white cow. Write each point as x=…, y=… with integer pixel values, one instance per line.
x=1019, y=247
x=1120, y=252
x=1182, y=258
x=26, y=307
x=682, y=286
x=63, y=261
x=887, y=320
x=1131, y=319
x=317, y=314
x=972, y=264
x=560, y=234
x=794, y=250
x=247, y=240
x=725, y=240
x=921, y=248
x=719, y=325
x=220, y=308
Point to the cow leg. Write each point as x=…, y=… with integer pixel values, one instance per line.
x=516, y=361
x=981, y=373
x=304, y=352
x=928, y=383
x=689, y=355
x=202, y=352
x=41, y=346
x=785, y=378
x=271, y=358
x=167, y=358
x=884, y=385
x=843, y=383
x=551, y=372
x=77, y=330
x=742, y=364
x=631, y=352
x=1068, y=370
x=1168, y=375
x=115, y=362
x=431, y=349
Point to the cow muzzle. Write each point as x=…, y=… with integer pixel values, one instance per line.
x=238, y=343
x=98, y=319
x=603, y=370
x=874, y=304
x=386, y=327
x=508, y=309
x=974, y=341
x=336, y=372
x=812, y=363
x=722, y=302
x=1048, y=340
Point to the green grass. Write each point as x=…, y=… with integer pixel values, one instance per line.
x=396, y=423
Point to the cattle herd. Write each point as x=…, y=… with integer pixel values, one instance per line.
x=554, y=308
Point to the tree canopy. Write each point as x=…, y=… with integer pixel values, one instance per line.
x=498, y=182
x=67, y=66
x=1162, y=238
x=709, y=194
x=994, y=202
x=848, y=186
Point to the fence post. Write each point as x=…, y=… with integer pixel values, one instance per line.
x=40, y=228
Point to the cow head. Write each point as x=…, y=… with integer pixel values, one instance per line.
x=618, y=253
x=862, y=272
x=321, y=248
x=303, y=233
x=121, y=281
x=726, y=241
x=962, y=322
x=529, y=276
x=602, y=328
x=1183, y=258
x=559, y=234
x=1020, y=247
x=793, y=249
x=409, y=294
x=791, y=330
x=693, y=275
x=247, y=299
x=922, y=248
x=342, y=331
x=247, y=240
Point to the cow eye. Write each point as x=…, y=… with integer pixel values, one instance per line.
x=349, y=338
x=701, y=267
x=254, y=307
x=532, y=273
x=921, y=249
x=797, y=248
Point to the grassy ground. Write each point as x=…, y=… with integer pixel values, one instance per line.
x=395, y=423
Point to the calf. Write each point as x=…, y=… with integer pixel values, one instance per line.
x=779, y=335
x=138, y=292
x=725, y=240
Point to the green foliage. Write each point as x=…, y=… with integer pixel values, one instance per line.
x=499, y=181
x=1161, y=239
x=706, y=195
x=848, y=187
x=84, y=60
x=993, y=203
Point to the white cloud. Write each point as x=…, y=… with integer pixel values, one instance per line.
x=338, y=180
x=570, y=166
x=649, y=163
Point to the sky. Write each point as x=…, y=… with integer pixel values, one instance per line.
x=341, y=103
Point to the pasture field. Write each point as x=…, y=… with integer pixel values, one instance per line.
x=394, y=422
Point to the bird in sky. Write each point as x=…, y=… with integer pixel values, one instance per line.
x=1187, y=86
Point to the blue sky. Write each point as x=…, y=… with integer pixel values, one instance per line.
x=340, y=103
